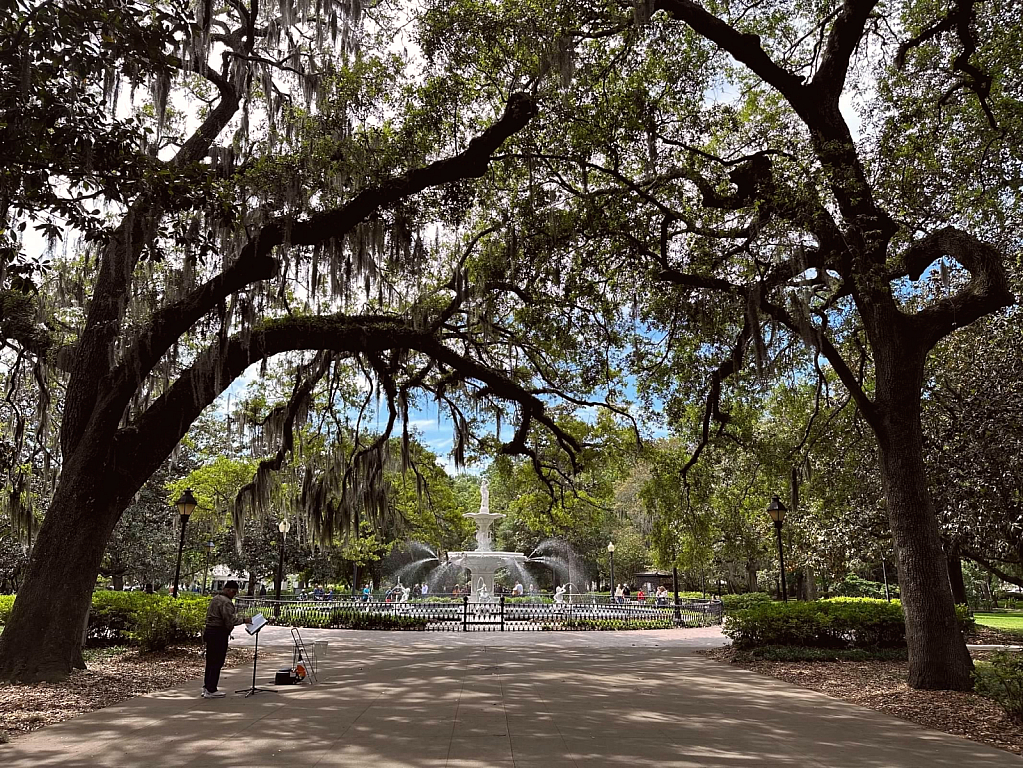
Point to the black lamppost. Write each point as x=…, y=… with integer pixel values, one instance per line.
x=209, y=554
x=284, y=526
x=611, y=555
x=186, y=505
x=777, y=512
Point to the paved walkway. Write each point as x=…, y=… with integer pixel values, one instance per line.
x=585, y=700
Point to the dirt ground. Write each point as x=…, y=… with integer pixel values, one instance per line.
x=114, y=674
x=881, y=686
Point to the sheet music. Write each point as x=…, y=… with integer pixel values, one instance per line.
x=258, y=621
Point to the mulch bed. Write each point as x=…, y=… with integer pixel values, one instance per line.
x=881, y=686
x=113, y=676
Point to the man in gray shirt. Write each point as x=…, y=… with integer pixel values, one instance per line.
x=220, y=620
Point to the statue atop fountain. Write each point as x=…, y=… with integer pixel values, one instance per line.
x=484, y=519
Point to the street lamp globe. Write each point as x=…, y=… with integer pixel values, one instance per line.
x=186, y=504
x=610, y=548
x=284, y=526
x=777, y=510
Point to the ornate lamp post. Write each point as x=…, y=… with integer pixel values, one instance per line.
x=611, y=555
x=284, y=526
x=186, y=505
x=777, y=512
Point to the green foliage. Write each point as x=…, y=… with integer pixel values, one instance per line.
x=6, y=605
x=160, y=623
x=151, y=621
x=967, y=621
x=841, y=622
x=617, y=624
x=346, y=618
x=821, y=624
x=853, y=586
x=1002, y=680
x=744, y=600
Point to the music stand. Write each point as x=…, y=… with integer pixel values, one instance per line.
x=253, y=690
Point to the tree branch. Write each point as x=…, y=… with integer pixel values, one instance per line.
x=987, y=290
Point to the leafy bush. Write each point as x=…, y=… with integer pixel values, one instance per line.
x=967, y=623
x=1002, y=680
x=743, y=601
x=822, y=624
x=616, y=624
x=6, y=605
x=346, y=618
x=150, y=621
x=841, y=622
x=165, y=621
x=853, y=586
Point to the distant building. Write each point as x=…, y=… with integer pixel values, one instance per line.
x=651, y=580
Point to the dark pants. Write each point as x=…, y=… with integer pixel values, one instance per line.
x=216, y=652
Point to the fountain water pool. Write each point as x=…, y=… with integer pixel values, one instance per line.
x=484, y=562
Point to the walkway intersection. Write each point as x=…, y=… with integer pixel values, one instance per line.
x=452, y=700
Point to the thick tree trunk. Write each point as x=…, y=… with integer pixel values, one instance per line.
x=43, y=638
x=118, y=579
x=751, y=576
x=938, y=658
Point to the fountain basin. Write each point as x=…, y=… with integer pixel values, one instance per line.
x=483, y=566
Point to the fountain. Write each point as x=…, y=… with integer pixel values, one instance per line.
x=483, y=562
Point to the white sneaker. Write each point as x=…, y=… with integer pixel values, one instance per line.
x=215, y=695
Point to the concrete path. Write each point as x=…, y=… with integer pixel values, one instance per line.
x=446, y=700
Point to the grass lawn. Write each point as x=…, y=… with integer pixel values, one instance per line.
x=1007, y=622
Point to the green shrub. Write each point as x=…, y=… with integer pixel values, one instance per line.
x=841, y=622
x=165, y=621
x=6, y=605
x=615, y=624
x=821, y=624
x=742, y=601
x=965, y=616
x=1002, y=680
x=114, y=615
x=853, y=586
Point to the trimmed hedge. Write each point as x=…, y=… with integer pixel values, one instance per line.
x=152, y=622
x=837, y=623
x=744, y=600
x=617, y=624
x=346, y=618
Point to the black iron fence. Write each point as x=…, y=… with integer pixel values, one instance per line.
x=500, y=614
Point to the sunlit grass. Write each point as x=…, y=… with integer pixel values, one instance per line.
x=1007, y=622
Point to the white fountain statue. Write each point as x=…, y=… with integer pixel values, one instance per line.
x=484, y=561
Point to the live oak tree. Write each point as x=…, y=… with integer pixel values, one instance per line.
x=698, y=164
x=282, y=216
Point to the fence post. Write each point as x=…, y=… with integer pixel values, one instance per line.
x=502, y=613
x=465, y=613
